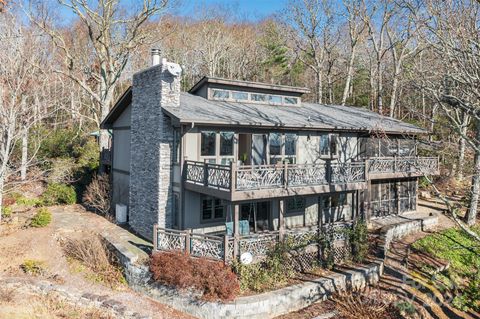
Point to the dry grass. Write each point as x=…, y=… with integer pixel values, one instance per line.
x=367, y=304
x=49, y=306
x=93, y=254
x=7, y=294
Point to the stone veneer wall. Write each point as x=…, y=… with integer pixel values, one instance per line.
x=151, y=145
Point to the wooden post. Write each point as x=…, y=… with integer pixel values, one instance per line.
x=233, y=174
x=155, y=238
x=205, y=174
x=285, y=174
x=394, y=163
x=236, y=230
x=281, y=218
x=188, y=239
x=226, y=253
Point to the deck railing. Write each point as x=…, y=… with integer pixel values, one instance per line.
x=252, y=177
x=226, y=248
x=418, y=165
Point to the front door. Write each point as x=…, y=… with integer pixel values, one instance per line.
x=259, y=149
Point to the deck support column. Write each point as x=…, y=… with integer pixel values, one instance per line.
x=281, y=218
x=236, y=230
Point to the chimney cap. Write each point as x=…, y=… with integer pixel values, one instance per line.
x=155, y=53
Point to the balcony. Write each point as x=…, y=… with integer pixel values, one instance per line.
x=398, y=167
x=237, y=183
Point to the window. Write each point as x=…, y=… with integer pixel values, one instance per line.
x=176, y=146
x=291, y=147
x=226, y=143
x=291, y=100
x=221, y=94
x=240, y=96
x=275, y=99
x=295, y=204
x=338, y=200
x=208, y=143
x=324, y=147
x=212, y=209
x=275, y=141
x=258, y=97
x=328, y=145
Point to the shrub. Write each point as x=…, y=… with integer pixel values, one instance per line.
x=94, y=254
x=97, y=194
x=7, y=211
x=59, y=194
x=359, y=241
x=61, y=170
x=213, y=279
x=33, y=267
x=275, y=270
x=42, y=218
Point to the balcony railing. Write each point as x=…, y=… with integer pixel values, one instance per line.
x=245, y=178
x=408, y=165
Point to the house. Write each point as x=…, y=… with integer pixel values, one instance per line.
x=240, y=158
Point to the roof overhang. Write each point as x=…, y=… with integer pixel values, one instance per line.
x=122, y=103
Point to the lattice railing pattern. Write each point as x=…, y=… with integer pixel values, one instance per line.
x=195, y=172
x=207, y=246
x=170, y=240
x=218, y=175
x=303, y=236
x=381, y=165
x=258, y=177
x=307, y=174
x=420, y=165
x=257, y=245
x=349, y=172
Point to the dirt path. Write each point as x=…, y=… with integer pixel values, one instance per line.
x=42, y=244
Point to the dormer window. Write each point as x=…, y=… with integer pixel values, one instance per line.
x=290, y=100
x=221, y=94
x=240, y=96
x=252, y=97
x=258, y=97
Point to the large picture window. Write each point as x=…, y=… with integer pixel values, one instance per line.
x=282, y=147
x=208, y=143
x=212, y=209
x=226, y=143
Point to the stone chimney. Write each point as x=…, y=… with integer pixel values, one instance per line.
x=151, y=145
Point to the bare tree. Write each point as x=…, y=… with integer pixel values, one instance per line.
x=451, y=28
x=377, y=19
x=309, y=20
x=113, y=32
x=20, y=82
x=356, y=28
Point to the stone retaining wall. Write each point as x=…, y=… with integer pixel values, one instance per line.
x=260, y=306
x=400, y=230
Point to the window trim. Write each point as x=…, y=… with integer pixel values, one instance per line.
x=296, y=211
x=332, y=137
x=217, y=158
x=213, y=219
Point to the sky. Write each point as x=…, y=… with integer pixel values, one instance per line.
x=250, y=9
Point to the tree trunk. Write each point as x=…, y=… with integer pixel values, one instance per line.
x=379, y=87
x=461, y=146
x=24, y=163
x=346, y=89
x=393, y=98
x=471, y=216
x=319, y=86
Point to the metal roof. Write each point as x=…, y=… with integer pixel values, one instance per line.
x=198, y=110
